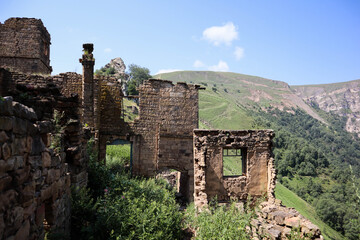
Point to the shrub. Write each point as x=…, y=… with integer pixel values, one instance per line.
x=220, y=222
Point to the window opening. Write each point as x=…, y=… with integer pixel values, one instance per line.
x=234, y=162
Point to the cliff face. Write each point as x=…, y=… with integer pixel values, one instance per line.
x=340, y=98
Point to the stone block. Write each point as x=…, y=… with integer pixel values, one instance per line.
x=24, y=231
x=28, y=191
x=46, y=138
x=4, y=167
x=37, y=146
x=3, y=137
x=6, y=107
x=2, y=225
x=14, y=219
x=52, y=175
x=24, y=112
x=11, y=163
x=35, y=161
x=6, y=151
x=46, y=159
x=6, y=123
x=40, y=214
x=292, y=222
x=29, y=210
x=19, y=146
x=20, y=126
x=5, y=182
x=45, y=127
x=21, y=175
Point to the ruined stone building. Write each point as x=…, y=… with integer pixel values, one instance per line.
x=40, y=158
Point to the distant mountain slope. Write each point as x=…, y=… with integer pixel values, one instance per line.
x=340, y=98
x=319, y=162
x=241, y=92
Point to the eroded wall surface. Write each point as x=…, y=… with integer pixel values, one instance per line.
x=209, y=181
x=34, y=179
x=25, y=46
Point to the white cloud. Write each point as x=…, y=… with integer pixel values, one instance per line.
x=167, y=71
x=198, y=64
x=218, y=35
x=239, y=53
x=107, y=50
x=220, y=67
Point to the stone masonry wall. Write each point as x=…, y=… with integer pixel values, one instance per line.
x=259, y=178
x=162, y=134
x=25, y=46
x=34, y=179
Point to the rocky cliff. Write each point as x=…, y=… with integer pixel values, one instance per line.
x=340, y=98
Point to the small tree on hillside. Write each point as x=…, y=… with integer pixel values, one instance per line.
x=137, y=76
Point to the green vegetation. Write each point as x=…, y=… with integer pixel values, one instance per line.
x=128, y=108
x=105, y=71
x=116, y=206
x=312, y=158
x=290, y=199
x=232, y=162
x=137, y=76
x=220, y=222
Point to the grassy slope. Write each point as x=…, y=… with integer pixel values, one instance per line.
x=229, y=110
x=228, y=96
x=290, y=199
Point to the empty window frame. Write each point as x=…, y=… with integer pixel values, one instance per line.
x=234, y=162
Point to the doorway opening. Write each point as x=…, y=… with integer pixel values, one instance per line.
x=119, y=155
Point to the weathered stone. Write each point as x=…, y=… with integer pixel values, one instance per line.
x=6, y=151
x=19, y=146
x=6, y=108
x=274, y=233
x=309, y=228
x=37, y=146
x=45, y=127
x=21, y=175
x=20, y=126
x=6, y=123
x=24, y=231
x=5, y=181
x=15, y=218
x=40, y=214
x=24, y=112
x=35, y=161
x=292, y=222
x=46, y=159
x=2, y=225
x=3, y=137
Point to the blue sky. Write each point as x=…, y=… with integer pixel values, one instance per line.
x=299, y=42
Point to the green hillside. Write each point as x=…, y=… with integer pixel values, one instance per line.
x=309, y=143
x=290, y=199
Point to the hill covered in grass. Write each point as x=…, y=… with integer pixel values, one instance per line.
x=314, y=154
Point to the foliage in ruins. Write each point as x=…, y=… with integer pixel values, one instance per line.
x=117, y=206
x=137, y=75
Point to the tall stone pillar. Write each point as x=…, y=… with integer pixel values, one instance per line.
x=88, y=63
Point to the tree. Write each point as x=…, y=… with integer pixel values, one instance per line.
x=137, y=76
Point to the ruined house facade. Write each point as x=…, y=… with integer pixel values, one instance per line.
x=39, y=163
x=25, y=46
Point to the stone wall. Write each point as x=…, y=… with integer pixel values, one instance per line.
x=34, y=179
x=25, y=46
x=257, y=180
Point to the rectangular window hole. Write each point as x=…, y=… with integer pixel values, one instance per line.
x=234, y=162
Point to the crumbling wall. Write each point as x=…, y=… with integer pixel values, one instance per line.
x=34, y=179
x=111, y=97
x=210, y=182
x=162, y=134
x=25, y=46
